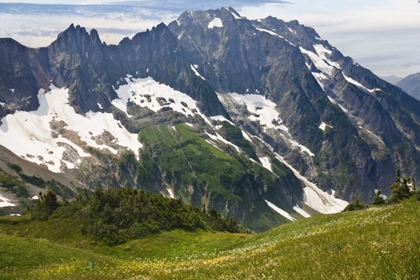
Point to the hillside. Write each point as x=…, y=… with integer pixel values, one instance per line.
x=411, y=85
x=377, y=243
x=262, y=120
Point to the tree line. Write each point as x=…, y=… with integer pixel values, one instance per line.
x=117, y=215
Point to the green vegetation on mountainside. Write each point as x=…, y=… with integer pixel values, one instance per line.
x=114, y=216
x=378, y=243
x=201, y=174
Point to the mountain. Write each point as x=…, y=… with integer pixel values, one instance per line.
x=411, y=85
x=392, y=79
x=261, y=119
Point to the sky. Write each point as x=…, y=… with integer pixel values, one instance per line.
x=381, y=35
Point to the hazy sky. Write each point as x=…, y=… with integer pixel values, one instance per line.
x=382, y=35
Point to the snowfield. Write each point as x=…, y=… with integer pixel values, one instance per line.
x=265, y=112
x=216, y=22
x=280, y=211
x=148, y=93
x=4, y=202
x=29, y=134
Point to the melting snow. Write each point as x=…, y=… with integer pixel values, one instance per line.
x=320, y=78
x=4, y=202
x=35, y=197
x=332, y=100
x=291, y=30
x=28, y=134
x=323, y=126
x=313, y=196
x=216, y=22
x=171, y=194
x=301, y=211
x=320, y=59
x=356, y=83
x=155, y=96
x=222, y=119
x=265, y=161
x=220, y=138
x=246, y=136
x=196, y=72
x=263, y=111
x=281, y=211
x=272, y=33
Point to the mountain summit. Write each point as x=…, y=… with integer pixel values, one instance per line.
x=261, y=119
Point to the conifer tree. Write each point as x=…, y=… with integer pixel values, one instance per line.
x=378, y=199
x=400, y=189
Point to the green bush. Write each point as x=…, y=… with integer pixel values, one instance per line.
x=355, y=206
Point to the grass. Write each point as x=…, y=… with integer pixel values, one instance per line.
x=378, y=243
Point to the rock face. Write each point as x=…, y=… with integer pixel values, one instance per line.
x=371, y=125
x=232, y=113
x=411, y=85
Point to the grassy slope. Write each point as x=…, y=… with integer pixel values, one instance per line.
x=380, y=243
x=190, y=160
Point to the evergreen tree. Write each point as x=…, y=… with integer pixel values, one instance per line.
x=378, y=199
x=355, y=206
x=400, y=189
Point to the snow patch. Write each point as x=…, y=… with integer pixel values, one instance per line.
x=301, y=211
x=324, y=126
x=196, y=72
x=263, y=111
x=332, y=100
x=4, y=202
x=320, y=78
x=222, y=119
x=217, y=137
x=35, y=197
x=320, y=59
x=291, y=30
x=280, y=211
x=313, y=196
x=358, y=84
x=266, y=163
x=28, y=134
x=246, y=136
x=12, y=90
x=155, y=96
x=216, y=22
x=100, y=106
x=273, y=34
x=171, y=194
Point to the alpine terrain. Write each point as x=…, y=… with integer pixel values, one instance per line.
x=411, y=85
x=262, y=120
